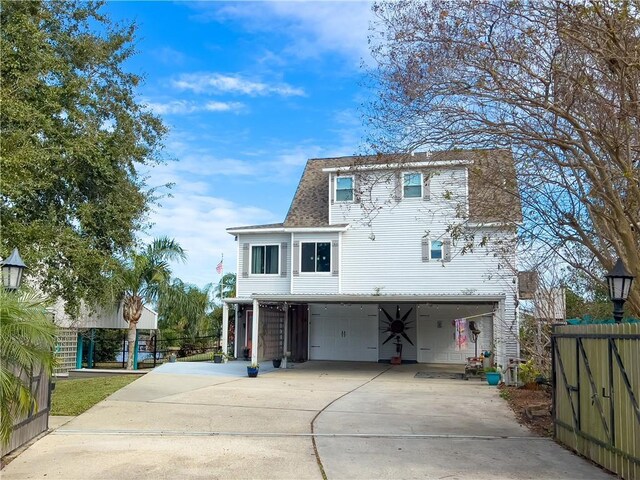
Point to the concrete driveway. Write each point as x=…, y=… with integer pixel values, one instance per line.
x=369, y=421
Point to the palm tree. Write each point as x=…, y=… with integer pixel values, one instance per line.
x=228, y=282
x=141, y=278
x=27, y=340
x=185, y=308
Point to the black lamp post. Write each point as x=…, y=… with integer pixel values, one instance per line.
x=619, y=281
x=12, y=268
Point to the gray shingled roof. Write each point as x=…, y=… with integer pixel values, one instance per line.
x=492, y=185
x=257, y=227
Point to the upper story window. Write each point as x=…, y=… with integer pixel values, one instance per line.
x=264, y=259
x=344, y=189
x=316, y=257
x=412, y=185
x=435, y=250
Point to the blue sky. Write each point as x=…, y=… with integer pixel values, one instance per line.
x=250, y=91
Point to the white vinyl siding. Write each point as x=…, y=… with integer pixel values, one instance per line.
x=316, y=282
x=394, y=262
x=260, y=283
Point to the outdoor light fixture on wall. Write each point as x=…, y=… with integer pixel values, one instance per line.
x=619, y=281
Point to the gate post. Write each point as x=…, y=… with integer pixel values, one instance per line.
x=135, y=352
x=554, y=384
x=79, y=347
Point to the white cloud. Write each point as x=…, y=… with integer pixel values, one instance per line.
x=208, y=82
x=182, y=107
x=199, y=222
x=169, y=56
x=312, y=27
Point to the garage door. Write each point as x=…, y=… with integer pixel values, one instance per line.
x=436, y=342
x=343, y=332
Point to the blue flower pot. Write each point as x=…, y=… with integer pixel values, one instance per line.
x=252, y=372
x=493, y=378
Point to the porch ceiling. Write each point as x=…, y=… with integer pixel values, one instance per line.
x=358, y=298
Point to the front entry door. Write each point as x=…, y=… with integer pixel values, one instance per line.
x=248, y=329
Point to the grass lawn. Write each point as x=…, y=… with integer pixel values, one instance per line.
x=72, y=397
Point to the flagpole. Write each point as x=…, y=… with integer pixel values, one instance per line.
x=221, y=278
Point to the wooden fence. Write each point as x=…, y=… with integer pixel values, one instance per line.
x=596, y=378
x=24, y=429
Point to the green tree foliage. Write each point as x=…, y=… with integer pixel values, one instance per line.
x=27, y=339
x=228, y=283
x=74, y=139
x=143, y=277
x=186, y=310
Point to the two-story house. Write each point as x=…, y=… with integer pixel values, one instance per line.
x=383, y=256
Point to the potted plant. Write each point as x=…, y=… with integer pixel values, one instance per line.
x=173, y=353
x=252, y=370
x=277, y=362
x=218, y=357
x=493, y=375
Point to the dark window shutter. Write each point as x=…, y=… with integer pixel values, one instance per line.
x=397, y=190
x=426, y=186
x=446, y=250
x=425, y=249
x=357, y=188
x=245, y=260
x=332, y=187
x=283, y=259
x=335, y=257
x=295, y=271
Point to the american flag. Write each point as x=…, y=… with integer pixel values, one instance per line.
x=219, y=267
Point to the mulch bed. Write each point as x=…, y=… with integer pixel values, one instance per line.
x=519, y=399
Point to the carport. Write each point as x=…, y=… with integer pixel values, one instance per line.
x=365, y=327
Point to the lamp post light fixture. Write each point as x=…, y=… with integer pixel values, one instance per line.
x=619, y=281
x=12, y=268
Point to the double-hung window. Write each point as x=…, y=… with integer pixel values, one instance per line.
x=412, y=185
x=316, y=256
x=264, y=259
x=344, y=189
x=435, y=250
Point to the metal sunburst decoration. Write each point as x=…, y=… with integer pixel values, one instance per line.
x=397, y=327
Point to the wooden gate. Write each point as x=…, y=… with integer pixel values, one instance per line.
x=596, y=389
x=24, y=429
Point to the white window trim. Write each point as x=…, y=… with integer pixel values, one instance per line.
x=329, y=273
x=441, y=250
x=353, y=189
x=421, y=185
x=261, y=275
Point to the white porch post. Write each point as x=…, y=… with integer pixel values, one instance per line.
x=225, y=328
x=235, y=332
x=286, y=334
x=254, y=332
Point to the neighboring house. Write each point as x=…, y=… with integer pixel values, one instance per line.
x=378, y=251
x=73, y=333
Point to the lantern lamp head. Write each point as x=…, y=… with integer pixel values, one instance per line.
x=619, y=282
x=12, y=268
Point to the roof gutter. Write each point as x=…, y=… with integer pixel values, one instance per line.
x=393, y=166
x=236, y=231
x=359, y=298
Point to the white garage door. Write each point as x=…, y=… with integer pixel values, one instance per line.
x=343, y=332
x=436, y=342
